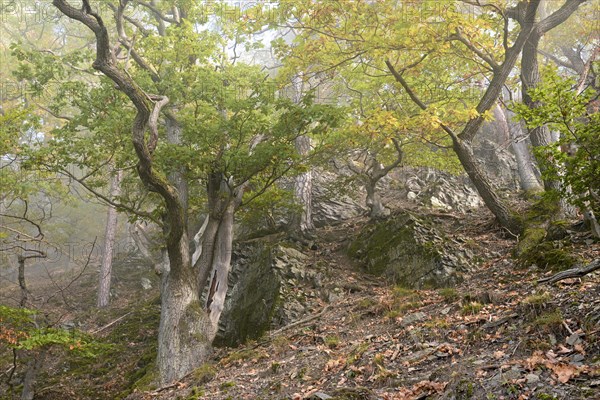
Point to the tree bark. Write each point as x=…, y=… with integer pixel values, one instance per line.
x=109, y=244
x=527, y=177
x=376, y=207
x=217, y=244
x=142, y=241
x=184, y=340
x=302, y=221
x=530, y=74
x=22, y=283
x=482, y=183
x=376, y=172
x=34, y=365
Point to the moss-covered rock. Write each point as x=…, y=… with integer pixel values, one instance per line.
x=252, y=296
x=411, y=252
x=269, y=283
x=540, y=244
x=549, y=256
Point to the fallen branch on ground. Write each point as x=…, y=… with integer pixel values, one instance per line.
x=572, y=273
x=111, y=323
x=300, y=322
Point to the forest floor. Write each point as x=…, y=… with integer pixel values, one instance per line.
x=498, y=335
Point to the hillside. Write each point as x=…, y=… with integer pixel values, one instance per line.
x=497, y=335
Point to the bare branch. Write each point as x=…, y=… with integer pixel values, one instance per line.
x=485, y=57
x=414, y=97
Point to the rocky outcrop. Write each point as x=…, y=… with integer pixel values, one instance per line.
x=433, y=189
x=332, y=205
x=252, y=296
x=270, y=285
x=411, y=252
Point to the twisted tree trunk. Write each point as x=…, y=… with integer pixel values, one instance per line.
x=184, y=330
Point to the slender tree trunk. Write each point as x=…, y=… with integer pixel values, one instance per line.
x=376, y=207
x=302, y=222
x=34, y=365
x=530, y=74
x=109, y=244
x=530, y=79
x=527, y=177
x=142, y=241
x=198, y=241
x=217, y=245
x=376, y=173
x=22, y=283
x=217, y=284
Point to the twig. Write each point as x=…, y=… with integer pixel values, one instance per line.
x=300, y=322
x=567, y=327
x=62, y=290
x=110, y=323
x=499, y=322
x=167, y=387
x=516, y=347
x=572, y=273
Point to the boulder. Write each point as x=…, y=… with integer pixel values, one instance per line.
x=411, y=252
x=269, y=285
x=332, y=205
x=433, y=189
x=254, y=286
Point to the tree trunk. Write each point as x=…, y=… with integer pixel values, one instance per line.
x=302, y=221
x=198, y=241
x=22, y=282
x=464, y=151
x=142, y=241
x=530, y=74
x=109, y=244
x=530, y=78
x=183, y=333
x=33, y=368
x=217, y=244
x=527, y=177
x=374, y=174
x=376, y=207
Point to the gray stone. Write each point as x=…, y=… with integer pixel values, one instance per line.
x=269, y=285
x=146, y=284
x=319, y=396
x=532, y=378
x=413, y=318
x=330, y=205
x=573, y=339
x=254, y=287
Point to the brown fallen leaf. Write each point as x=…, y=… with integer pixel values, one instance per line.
x=564, y=372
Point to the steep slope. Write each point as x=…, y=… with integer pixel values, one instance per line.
x=498, y=335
